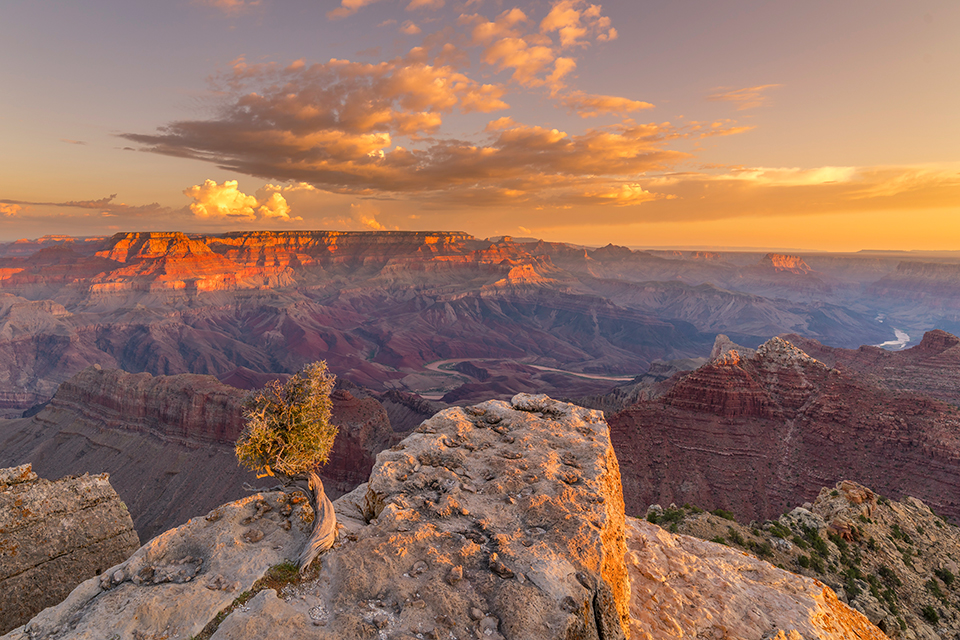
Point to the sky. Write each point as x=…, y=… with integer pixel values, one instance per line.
x=816, y=125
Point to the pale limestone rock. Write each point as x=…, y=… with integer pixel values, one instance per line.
x=176, y=583
x=683, y=587
x=53, y=535
x=532, y=549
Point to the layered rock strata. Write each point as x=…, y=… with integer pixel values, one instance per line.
x=758, y=435
x=54, y=535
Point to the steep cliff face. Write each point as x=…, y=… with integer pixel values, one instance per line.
x=758, y=435
x=164, y=438
x=53, y=536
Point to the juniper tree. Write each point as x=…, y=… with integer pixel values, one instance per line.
x=287, y=433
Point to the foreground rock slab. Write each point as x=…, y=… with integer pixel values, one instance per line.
x=53, y=535
x=683, y=587
x=173, y=586
x=502, y=520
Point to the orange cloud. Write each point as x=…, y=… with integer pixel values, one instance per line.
x=409, y=28
x=348, y=8
x=574, y=21
x=505, y=25
x=748, y=98
x=526, y=60
x=226, y=201
x=10, y=209
x=592, y=105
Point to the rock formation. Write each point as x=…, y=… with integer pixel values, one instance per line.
x=758, y=435
x=931, y=367
x=493, y=521
x=53, y=536
x=895, y=562
x=682, y=587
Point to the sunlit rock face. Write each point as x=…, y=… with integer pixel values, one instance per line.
x=163, y=437
x=758, y=435
x=682, y=587
x=54, y=535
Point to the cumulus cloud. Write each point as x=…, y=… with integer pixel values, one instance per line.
x=409, y=28
x=8, y=209
x=747, y=98
x=213, y=201
x=574, y=21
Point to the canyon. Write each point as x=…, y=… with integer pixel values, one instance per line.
x=380, y=306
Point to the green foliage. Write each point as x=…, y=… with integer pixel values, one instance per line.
x=762, y=549
x=800, y=542
x=718, y=539
x=804, y=561
x=834, y=493
x=777, y=530
x=931, y=614
x=889, y=576
x=288, y=430
x=934, y=588
x=946, y=575
x=899, y=534
x=735, y=536
x=668, y=517
x=723, y=513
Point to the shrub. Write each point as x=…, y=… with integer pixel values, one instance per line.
x=930, y=614
x=946, y=575
x=288, y=430
x=804, y=561
x=723, y=513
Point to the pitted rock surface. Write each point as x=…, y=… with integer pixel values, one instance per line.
x=53, y=535
x=683, y=587
x=174, y=585
x=502, y=520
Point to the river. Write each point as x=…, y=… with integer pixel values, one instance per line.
x=898, y=344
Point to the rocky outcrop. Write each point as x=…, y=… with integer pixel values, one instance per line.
x=54, y=535
x=177, y=583
x=758, y=435
x=501, y=520
x=163, y=437
x=895, y=562
x=682, y=587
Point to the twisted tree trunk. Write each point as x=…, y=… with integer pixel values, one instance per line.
x=324, y=524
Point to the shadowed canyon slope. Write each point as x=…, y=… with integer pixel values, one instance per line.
x=379, y=306
x=757, y=434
